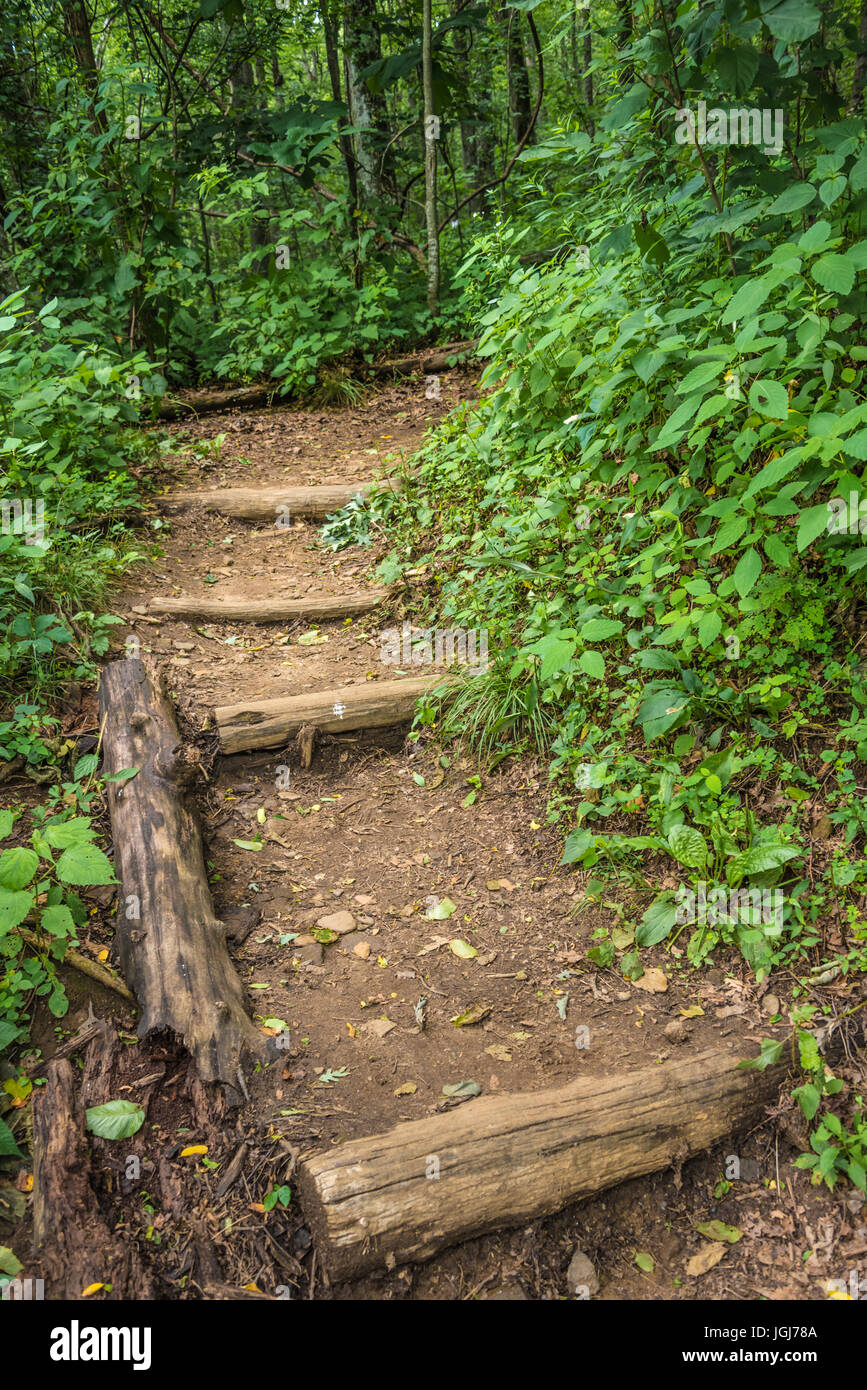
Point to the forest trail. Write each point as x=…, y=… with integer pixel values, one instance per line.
x=343, y=883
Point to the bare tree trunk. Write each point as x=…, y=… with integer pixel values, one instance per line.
x=860, y=70
x=77, y=24
x=431, y=131
x=367, y=110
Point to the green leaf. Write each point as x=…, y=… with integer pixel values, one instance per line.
x=252, y=845
x=747, y=571
x=759, y=858
x=7, y=821
x=809, y=1098
x=593, y=664
x=709, y=627
x=813, y=523
x=795, y=197
x=76, y=831
x=770, y=398
x=86, y=764
x=84, y=864
x=117, y=1119
x=576, y=846
x=834, y=272
x=9, y=1262
x=688, y=846
x=57, y=920
x=14, y=907
x=718, y=1230
x=745, y=301
x=768, y=1057
x=17, y=867
x=8, y=1147
x=657, y=922
x=793, y=21
x=598, y=629
x=645, y=1262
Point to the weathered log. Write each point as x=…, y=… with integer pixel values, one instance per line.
x=236, y=609
x=173, y=949
x=209, y=402
x=428, y=360
x=279, y=505
x=270, y=723
x=505, y=1160
x=72, y=1241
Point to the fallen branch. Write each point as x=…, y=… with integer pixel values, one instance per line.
x=172, y=947
x=91, y=968
x=270, y=723
x=275, y=504
x=268, y=610
x=505, y=1160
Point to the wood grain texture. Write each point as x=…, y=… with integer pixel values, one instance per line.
x=236, y=608
x=505, y=1160
x=72, y=1241
x=173, y=952
x=270, y=723
x=283, y=504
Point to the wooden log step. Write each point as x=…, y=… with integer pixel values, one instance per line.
x=237, y=609
x=278, y=505
x=270, y=723
x=172, y=947
x=505, y=1160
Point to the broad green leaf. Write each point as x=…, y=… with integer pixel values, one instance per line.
x=117, y=1119
x=747, y=571
x=598, y=629
x=657, y=922
x=593, y=664
x=834, y=272
x=17, y=867
x=76, y=831
x=576, y=846
x=795, y=197
x=84, y=864
x=14, y=907
x=813, y=523
x=688, y=846
x=769, y=398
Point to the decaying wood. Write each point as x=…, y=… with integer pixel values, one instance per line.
x=209, y=402
x=173, y=949
x=428, y=360
x=74, y=1245
x=270, y=723
x=233, y=608
x=505, y=1160
x=279, y=505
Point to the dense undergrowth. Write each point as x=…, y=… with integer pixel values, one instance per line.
x=655, y=512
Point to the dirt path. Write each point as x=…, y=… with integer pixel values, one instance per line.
x=378, y=830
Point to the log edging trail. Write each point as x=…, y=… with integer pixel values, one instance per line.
x=502, y=1161
x=172, y=947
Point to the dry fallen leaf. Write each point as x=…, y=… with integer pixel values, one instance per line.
x=91, y=1290
x=194, y=1150
x=499, y=1052
x=706, y=1259
x=653, y=981
x=408, y=1088
x=379, y=1026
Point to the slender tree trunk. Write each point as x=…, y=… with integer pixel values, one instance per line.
x=77, y=22
x=520, y=104
x=588, y=75
x=367, y=110
x=431, y=131
x=859, y=72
